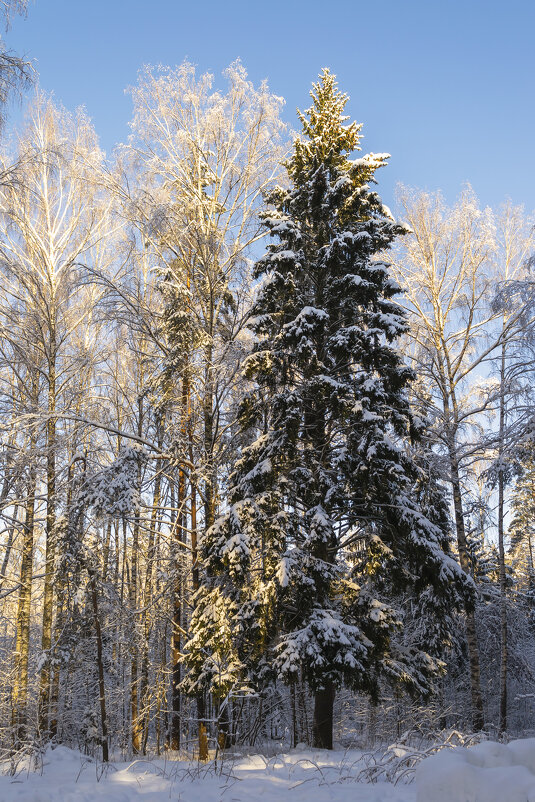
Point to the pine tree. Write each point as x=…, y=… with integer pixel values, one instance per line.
x=324, y=524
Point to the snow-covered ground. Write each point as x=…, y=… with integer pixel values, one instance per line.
x=487, y=772
x=299, y=776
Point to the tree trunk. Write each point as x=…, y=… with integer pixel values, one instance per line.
x=151, y=553
x=210, y=484
x=56, y=674
x=11, y=531
x=136, y=718
x=22, y=642
x=9, y=546
x=50, y=551
x=501, y=553
x=176, y=633
x=59, y=623
x=471, y=635
x=134, y=700
x=201, y=704
x=176, y=659
x=295, y=736
x=106, y=552
x=223, y=725
x=322, y=728
x=100, y=666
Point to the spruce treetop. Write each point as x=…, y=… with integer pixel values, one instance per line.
x=323, y=125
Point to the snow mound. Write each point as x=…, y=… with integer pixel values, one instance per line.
x=487, y=772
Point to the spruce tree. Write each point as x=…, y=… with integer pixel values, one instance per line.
x=522, y=527
x=324, y=525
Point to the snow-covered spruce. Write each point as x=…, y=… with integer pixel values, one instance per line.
x=324, y=526
x=114, y=491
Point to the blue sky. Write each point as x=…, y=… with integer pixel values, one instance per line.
x=445, y=86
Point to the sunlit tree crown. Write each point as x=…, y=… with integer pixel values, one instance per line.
x=327, y=138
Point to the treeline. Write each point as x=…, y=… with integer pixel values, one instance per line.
x=243, y=478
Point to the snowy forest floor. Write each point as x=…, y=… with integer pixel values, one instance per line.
x=301, y=774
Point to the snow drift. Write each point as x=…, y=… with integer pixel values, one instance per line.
x=487, y=772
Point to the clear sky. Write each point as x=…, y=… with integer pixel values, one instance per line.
x=445, y=86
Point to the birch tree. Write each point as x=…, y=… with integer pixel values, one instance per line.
x=515, y=237
x=15, y=72
x=205, y=159
x=447, y=263
x=53, y=221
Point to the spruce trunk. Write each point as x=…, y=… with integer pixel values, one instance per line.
x=322, y=728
